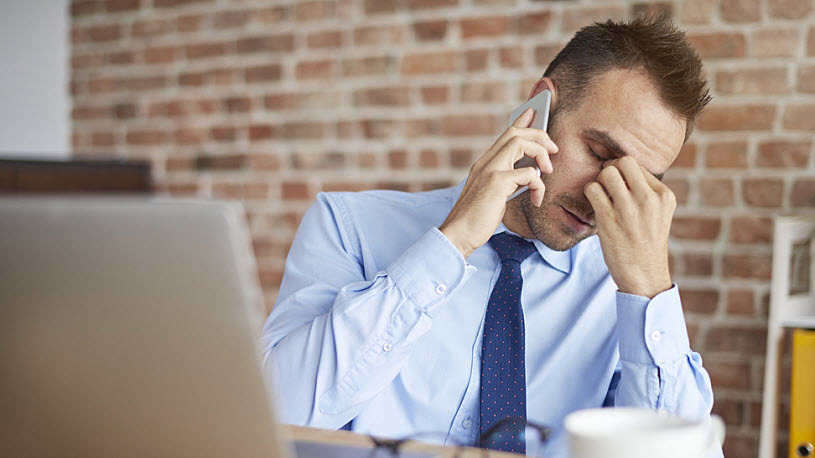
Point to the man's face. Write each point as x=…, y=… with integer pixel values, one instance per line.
x=620, y=114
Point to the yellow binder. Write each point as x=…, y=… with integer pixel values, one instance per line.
x=802, y=394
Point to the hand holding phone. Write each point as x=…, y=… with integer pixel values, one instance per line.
x=495, y=176
x=540, y=120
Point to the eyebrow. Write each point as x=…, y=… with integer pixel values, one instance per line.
x=604, y=138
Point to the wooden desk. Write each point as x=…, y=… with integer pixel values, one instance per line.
x=325, y=436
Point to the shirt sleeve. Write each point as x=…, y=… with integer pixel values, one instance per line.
x=334, y=338
x=658, y=368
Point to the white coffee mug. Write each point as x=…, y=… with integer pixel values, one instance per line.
x=631, y=432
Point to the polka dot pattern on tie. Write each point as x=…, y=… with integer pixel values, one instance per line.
x=503, y=370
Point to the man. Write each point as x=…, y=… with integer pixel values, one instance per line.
x=388, y=316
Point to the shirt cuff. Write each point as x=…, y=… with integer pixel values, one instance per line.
x=652, y=331
x=430, y=270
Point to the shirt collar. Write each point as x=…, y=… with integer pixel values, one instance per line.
x=560, y=260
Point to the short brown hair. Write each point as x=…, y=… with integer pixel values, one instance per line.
x=652, y=43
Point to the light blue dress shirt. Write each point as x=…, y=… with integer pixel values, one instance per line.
x=379, y=321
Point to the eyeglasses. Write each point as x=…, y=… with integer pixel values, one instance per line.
x=509, y=432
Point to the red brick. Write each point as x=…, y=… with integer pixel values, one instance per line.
x=345, y=186
x=381, y=6
x=183, y=189
x=534, y=23
x=191, y=79
x=763, y=192
x=741, y=10
x=752, y=81
x=575, y=18
x=295, y=190
x=737, y=117
x=378, y=128
x=397, y=159
x=742, y=445
x=237, y=104
x=273, y=14
x=230, y=19
x=311, y=11
x=731, y=410
x=421, y=127
x=475, y=60
x=806, y=79
x=102, y=139
x=546, y=54
x=428, y=159
x=429, y=62
x=143, y=83
x=461, y=157
x=104, y=33
x=718, y=44
x=146, y=137
x=227, y=162
x=736, y=339
x=789, y=9
x=747, y=266
x=680, y=188
x=434, y=95
x=315, y=69
x=697, y=264
x=303, y=130
x=774, y=43
x=430, y=30
x=727, y=155
x=272, y=72
x=150, y=28
x=367, y=66
x=264, y=162
x=740, y=302
x=483, y=91
x=751, y=229
x=717, y=192
x=698, y=11
x=421, y=4
x=159, y=54
x=379, y=35
x=729, y=374
x=241, y=190
x=784, y=153
x=85, y=8
x=699, y=301
x=189, y=23
x=489, y=26
x=325, y=39
x=800, y=117
x=206, y=50
x=695, y=227
x=261, y=132
x=224, y=133
x=387, y=96
x=468, y=125
x=511, y=57
x=803, y=193
x=176, y=3
x=266, y=44
x=811, y=42
x=188, y=136
x=686, y=158
x=116, y=6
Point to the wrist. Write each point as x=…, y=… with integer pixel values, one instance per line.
x=463, y=248
x=649, y=289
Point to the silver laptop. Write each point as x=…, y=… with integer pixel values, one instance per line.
x=127, y=328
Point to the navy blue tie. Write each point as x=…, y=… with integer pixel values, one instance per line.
x=503, y=370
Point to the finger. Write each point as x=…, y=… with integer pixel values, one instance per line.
x=632, y=174
x=524, y=119
x=528, y=176
x=615, y=186
x=539, y=136
x=598, y=199
x=516, y=149
x=651, y=180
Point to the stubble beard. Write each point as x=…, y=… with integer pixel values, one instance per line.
x=543, y=223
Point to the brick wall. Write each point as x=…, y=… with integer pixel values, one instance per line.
x=271, y=102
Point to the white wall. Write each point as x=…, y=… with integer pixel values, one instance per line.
x=34, y=100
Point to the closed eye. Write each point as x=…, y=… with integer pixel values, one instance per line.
x=595, y=155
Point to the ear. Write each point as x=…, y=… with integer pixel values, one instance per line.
x=543, y=84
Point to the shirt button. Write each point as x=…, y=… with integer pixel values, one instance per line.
x=466, y=424
x=441, y=289
x=387, y=347
x=656, y=336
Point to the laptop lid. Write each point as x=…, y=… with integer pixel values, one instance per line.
x=127, y=328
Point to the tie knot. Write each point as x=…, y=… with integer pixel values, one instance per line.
x=511, y=247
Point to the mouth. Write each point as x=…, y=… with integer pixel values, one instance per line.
x=578, y=223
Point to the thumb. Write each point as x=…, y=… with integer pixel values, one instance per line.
x=524, y=119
